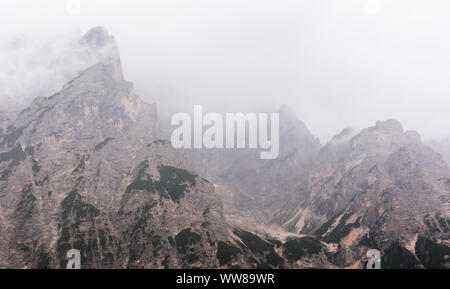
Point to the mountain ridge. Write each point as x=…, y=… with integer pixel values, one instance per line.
x=87, y=168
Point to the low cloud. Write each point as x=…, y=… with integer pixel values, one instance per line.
x=337, y=63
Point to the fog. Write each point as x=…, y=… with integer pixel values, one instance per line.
x=337, y=63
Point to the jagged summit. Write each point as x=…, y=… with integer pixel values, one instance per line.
x=342, y=137
x=294, y=133
x=99, y=42
x=391, y=126
x=91, y=107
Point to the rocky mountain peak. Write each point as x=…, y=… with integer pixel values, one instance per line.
x=382, y=139
x=294, y=134
x=96, y=37
x=98, y=42
x=342, y=137
x=93, y=106
x=390, y=126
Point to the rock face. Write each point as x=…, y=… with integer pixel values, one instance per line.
x=86, y=169
x=379, y=189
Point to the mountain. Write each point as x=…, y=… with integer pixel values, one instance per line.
x=253, y=189
x=88, y=168
x=381, y=188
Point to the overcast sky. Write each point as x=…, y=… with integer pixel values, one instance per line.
x=338, y=63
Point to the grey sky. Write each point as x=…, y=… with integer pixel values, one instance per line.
x=336, y=62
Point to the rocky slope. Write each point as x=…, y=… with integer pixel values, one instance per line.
x=379, y=189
